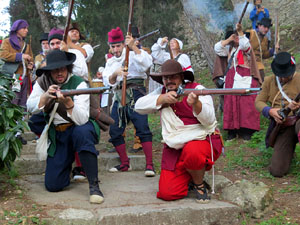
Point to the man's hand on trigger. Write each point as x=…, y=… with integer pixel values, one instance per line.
x=170, y=98
x=274, y=113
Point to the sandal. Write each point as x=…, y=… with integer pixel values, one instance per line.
x=202, y=196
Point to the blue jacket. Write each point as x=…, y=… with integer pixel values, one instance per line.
x=258, y=17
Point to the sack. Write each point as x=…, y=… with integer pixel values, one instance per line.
x=242, y=82
x=98, y=114
x=10, y=67
x=43, y=144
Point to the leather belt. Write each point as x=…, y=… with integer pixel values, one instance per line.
x=63, y=127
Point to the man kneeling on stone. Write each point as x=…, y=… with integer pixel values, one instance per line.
x=189, y=131
x=72, y=129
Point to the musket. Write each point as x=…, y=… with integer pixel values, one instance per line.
x=218, y=91
x=124, y=84
x=170, y=51
x=244, y=11
x=148, y=35
x=276, y=31
x=284, y=112
x=70, y=9
x=84, y=91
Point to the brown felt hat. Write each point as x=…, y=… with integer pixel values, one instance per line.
x=75, y=26
x=171, y=67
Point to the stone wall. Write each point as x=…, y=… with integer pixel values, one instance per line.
x=191, y=47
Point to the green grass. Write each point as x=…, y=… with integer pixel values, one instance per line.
x=237, y=156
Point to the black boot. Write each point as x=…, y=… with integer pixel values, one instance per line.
x=90, y=165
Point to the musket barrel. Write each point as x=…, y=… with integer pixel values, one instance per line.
x=244, y=10
x=126, y=62
x=148, y=35
x=84, y=91
x=220, y=91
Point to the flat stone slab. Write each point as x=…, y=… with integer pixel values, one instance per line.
x=130, y=198
x=29, y=164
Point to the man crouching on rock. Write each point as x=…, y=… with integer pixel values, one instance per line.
x=188, y=130
x=71, y=130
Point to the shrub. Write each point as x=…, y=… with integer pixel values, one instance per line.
x=10, y=123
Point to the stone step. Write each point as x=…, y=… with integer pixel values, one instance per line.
x=28, y=136
x=29, y=148
x=130, y=198
x=29, y=164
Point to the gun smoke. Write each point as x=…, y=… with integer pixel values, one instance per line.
x=217, y=18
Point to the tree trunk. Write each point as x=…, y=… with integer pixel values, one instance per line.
x=43, y=16
x=140, y=10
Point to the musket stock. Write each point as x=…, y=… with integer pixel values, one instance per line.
x=148, y=35
x=244, y=11
x=84, y=91
x=218, y=91
x=70, y=9
x=124, y=84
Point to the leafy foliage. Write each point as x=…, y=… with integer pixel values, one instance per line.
x=97, y=18
x=10, y=123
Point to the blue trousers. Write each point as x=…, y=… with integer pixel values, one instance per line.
x=139, y=121
x=75, y=138
x=37, y=123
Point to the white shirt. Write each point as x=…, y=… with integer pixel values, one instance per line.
x=138, y=65
x=79, y=66
x=160, y=55
x=175, y=134
x=80, y=113
x=89, y=51
x=244, y=45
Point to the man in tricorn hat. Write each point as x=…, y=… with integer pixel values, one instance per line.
x=72, y=130
x=113, y=75
x=259, y=43
x=189, y=131
x=39, y=59
x=278, y=91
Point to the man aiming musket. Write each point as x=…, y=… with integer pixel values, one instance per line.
x=189, y=131
x=72, y=130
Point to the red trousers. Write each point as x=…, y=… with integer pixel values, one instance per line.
x=195, y=155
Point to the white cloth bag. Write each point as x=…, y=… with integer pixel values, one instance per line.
x=43, y=143
x=242, y=82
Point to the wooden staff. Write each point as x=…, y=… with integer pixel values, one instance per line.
x=124, y=84
x=277, y=38
x=170, y=51
x=244, y=11
x=70, y=9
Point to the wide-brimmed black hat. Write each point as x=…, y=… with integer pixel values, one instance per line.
x=283, y=65
x=171, y=67
x=56, y=59
x=44, y=37
x=75, y=26
x=267, y=22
